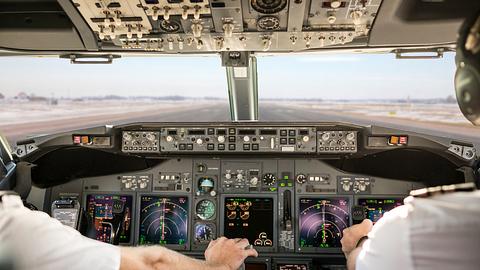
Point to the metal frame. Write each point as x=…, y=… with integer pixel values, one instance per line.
x=243, y=91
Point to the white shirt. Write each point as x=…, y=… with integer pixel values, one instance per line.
x=441, y=232
x=37, y=241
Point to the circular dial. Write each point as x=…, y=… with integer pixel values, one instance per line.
x=205, y=209
x=301, y=178
x=268, y=23
x=169, y=26
x=322, y=222
x=204, y=232
x=269, y=179
x=205, y=184
x=268, y=6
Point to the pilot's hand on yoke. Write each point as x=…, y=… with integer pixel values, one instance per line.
x=228, y=252
x=353, y=234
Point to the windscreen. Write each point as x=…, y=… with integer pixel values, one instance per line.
x=49, y=95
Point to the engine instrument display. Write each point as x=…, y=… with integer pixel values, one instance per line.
x=250, y=218
x=322, y=221
x=163, y=220
x=374, y=209
x=111, y=218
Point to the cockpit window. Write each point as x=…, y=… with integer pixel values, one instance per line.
x=47, y=95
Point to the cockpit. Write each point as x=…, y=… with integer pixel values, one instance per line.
x=290, y=179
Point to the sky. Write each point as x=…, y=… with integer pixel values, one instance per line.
x=339, y=76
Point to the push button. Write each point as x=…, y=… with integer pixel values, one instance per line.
x=221, y=146
x=291, y=132
x=255, y=146
x=189, y=146
x=246, y=147
x=283, y=140
x=283, y=132
x=231, y=147
x=210, y=146
x=291, y=141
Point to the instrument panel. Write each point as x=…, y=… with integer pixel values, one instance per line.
x=244, y=140
x=293, y=208
x=214, y=26
x=277, y=184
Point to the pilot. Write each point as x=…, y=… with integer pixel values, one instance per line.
x=37, y=241
x=433, y=230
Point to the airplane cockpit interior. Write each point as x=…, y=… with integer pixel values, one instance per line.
x=290, y=186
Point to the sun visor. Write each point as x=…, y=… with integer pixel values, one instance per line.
x=40, y=26
x=420, y=22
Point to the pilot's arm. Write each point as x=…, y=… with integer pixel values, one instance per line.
x=37, y=241
x=441, y=232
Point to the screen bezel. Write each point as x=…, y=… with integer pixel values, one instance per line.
x=297, y=223
x=276, y=262
x=395, y=197
x=184, y=247
x=134, y=211
x=261, y=196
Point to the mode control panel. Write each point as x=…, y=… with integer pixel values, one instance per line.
x=244, y=139
x=140, y=141
x=337, y=141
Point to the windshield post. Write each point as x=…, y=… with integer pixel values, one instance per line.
x=242, y=82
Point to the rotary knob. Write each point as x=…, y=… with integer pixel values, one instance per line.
x=127, y=137
x=350, y=136
x=228, y=176
x=254, y=181
x=246, y=139
x=221, y=139
x=150, y=137
x=325, y=136
x=305, y=138
x=239, y=176
x=199, y=141
x=269, y=179
x=301, y=178
x=169, y=138
x=346, y=185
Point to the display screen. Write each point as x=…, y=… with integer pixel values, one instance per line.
x=163, y=220
x=292, y=267
x=322, y=221
x=256, y=266
x=374, y=209
x=250, y=218
x=110, y=217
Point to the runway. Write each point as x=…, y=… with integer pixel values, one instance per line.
x=220, y=112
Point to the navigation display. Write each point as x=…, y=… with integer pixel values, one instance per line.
x=250, y=218
x=163, y=220
x=110, y=217
x=374, y=209
x=322, y=221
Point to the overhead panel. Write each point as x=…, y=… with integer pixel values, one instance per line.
x=196, y=26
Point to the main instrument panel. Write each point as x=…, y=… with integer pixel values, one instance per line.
x=273, y=184
x=294, y=208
